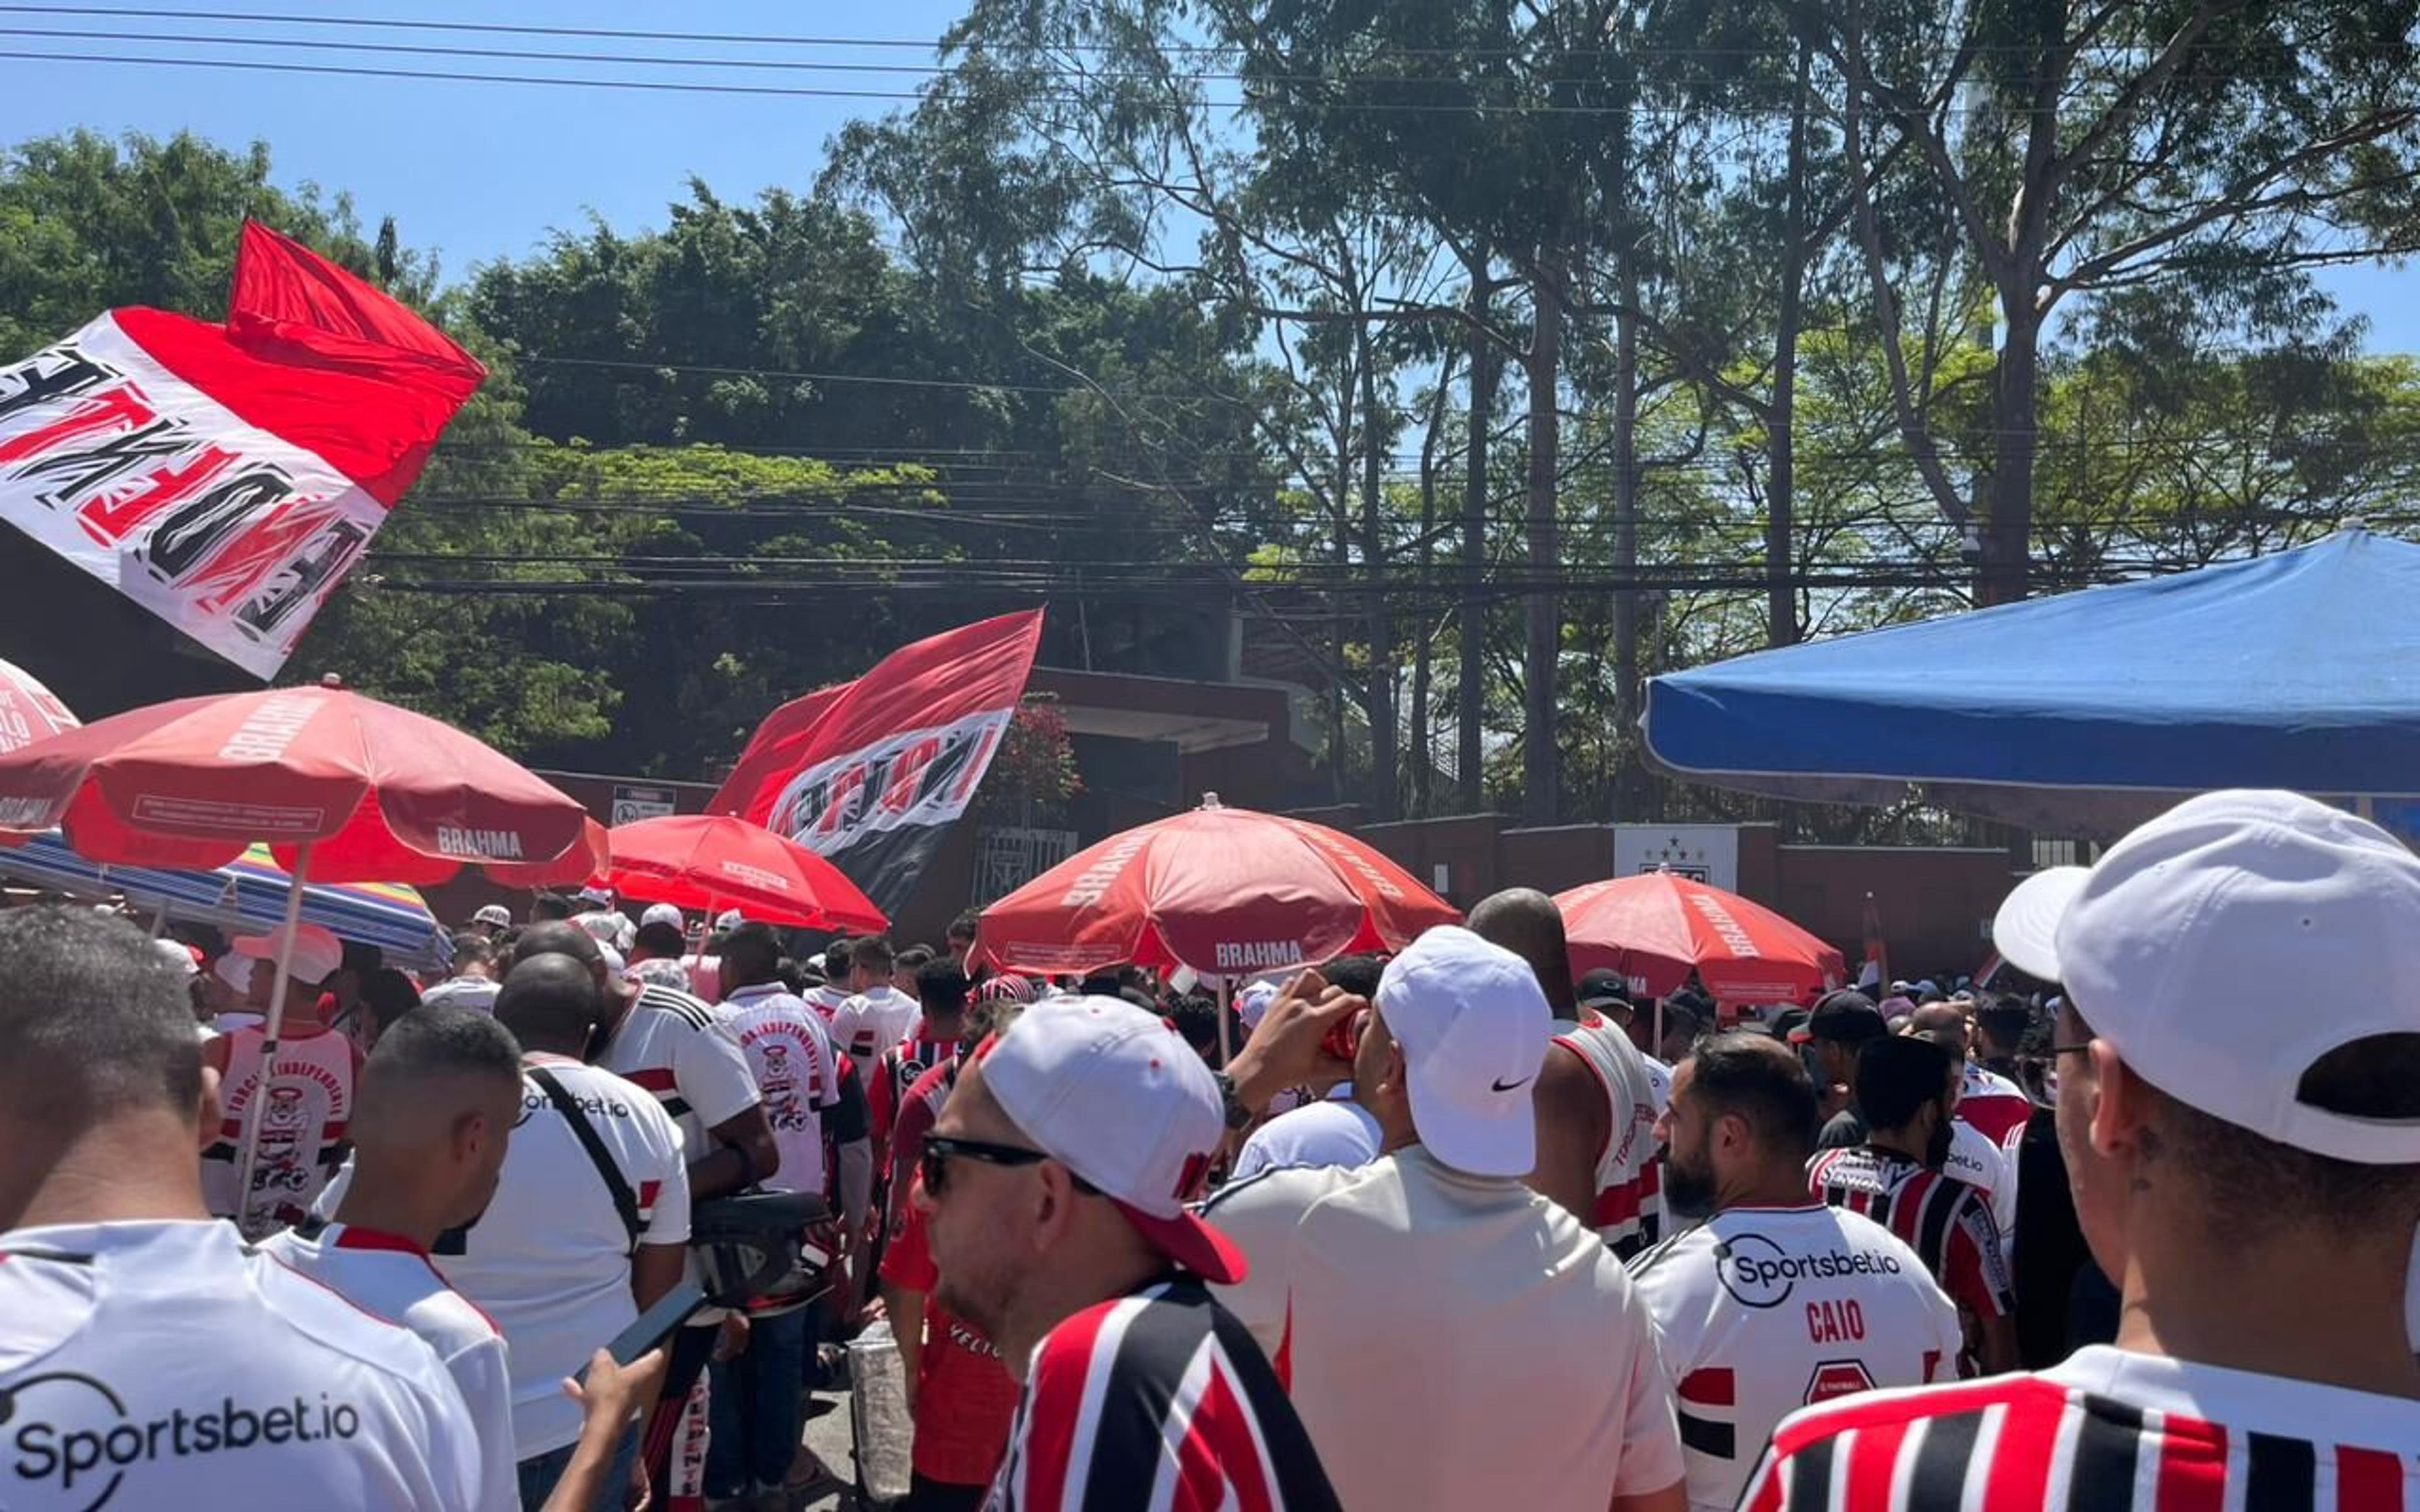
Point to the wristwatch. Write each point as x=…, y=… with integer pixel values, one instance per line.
x=1237, y=1115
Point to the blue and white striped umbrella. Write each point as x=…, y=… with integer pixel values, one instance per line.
x=247, y=894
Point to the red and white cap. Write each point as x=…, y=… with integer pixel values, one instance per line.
x=317, y=951
x=1473, y=1026
x=2164, y=944
x=1119, y=1097
x=177, y=954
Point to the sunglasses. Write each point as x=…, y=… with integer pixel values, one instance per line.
x=939, y=1149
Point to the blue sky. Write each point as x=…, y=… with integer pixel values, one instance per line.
x=477, y=171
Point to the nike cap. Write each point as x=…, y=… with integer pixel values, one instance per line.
x=2163, y=945
x=1472, y=1024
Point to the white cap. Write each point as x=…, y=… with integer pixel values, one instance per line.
x=1119, y=1097
x=602, y=897
x=495, y=913
x=177, y=953
x=235, y=970
x=602, y=927
x=1472, y=1024
x=2025, y=929
x=316, y=953
x=2164, y=946
x=1254, y=1002
x=477, y=992
x=730, y=918
x=662, y=913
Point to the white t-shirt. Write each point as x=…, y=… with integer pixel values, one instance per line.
x=1317, y=1133
x=826, y=999
x=303, y=1124
x=673, y=1045
x=1764, y=1310
x=1425, y=1303
x=475, y=993
x=1260, y=1214
x=792, y=1058
x=390, y=1276
x=162, y=1365
x=873, y=1022
x=549, y=1261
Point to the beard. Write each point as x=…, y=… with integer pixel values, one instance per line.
x=976, y=1292
x=1936, y=1150
x=1688, y=1193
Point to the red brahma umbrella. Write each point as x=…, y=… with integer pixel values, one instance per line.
x=713, y=861
x=1657, y=927
x=1226, y=892
x=342, y=787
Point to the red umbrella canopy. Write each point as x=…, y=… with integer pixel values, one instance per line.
x=1226, y=892
x=715, y=861
x=379, y=793
x=1658, y=927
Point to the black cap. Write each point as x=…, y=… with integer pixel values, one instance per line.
x=1844, y=1017
x=1603, y=987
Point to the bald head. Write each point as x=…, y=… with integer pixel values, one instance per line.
x=549, y=1002
x=1527, y=922
x=430, y=1067
x=1943, y=1024
x=558, y=937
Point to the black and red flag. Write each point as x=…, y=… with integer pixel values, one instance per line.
x=870, y=773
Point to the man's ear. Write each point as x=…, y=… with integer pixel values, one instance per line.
x=1054, y=1204
x=206, y=1114
x=2120, y=1102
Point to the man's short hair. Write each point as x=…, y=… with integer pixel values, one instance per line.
x=914, y=957
x=1197, y=1020
x=361, y=958
x=941, y=987
x=472, y=948
x=836, y=958
x=389, y=997
x=963, y=927
x=548, y=906
x=873, y=954
x=548, y=997
x=659, y=939
x=1897, y=1075
x=2249, y=1183
x=752, y=954
x=2004, y=1021
x=1357, y=974
x=1759, y=1080
x=436, y=1040
x=92, y=1021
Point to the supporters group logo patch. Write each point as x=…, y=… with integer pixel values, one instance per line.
x=71, y=1441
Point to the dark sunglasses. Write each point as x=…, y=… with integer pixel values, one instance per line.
x=939, y=1149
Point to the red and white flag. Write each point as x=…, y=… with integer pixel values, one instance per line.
x=870, y=773
x=28, y=711
x=227, y=477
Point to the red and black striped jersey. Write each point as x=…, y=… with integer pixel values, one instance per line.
x=896, y=1073
x=2108, y=1432
x=1946, y=1221
x=1159, y=1399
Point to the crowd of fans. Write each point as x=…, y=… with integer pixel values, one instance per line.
x=1453, y=1228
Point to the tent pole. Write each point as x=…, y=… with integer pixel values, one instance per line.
x=1226, y=1035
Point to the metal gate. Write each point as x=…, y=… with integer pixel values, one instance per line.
x=1008, y=859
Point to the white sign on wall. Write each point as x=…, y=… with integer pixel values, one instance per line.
x=1703, y=853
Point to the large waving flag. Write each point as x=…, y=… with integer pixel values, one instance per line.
x=226, y=476
x=28, y=711
x=869, y=774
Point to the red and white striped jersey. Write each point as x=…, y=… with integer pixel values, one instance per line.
x=1947, y=1222
x=308, y=1106
x=2107, y=1432
x=1995, y=1105
x=1629, y=1211
x=1159, y=1399
x=1760, y=1311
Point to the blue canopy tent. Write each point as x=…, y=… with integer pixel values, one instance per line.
x=2085, y=714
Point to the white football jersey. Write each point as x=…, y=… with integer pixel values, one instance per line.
x=390, y=1276
x=160, y=1363
x=1764, y=1310
x=792, y=1058
x=1629, y=1201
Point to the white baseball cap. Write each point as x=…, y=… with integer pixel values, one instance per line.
x=317, y=952
x=2161, y=946
x=730, y=918
x=1253, y=1002
x=1119, y=1097
x=2025, y=930
x=235, y=970
x=177, y=953
x=602, y=897
x=1472, y=1024
x=662, y=913
x=496, y=914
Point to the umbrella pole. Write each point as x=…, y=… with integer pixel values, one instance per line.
x=1226, y=1034
x=1659, y=1027
x=248, y=1154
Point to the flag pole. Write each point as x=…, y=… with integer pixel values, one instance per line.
x=248, y=1155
